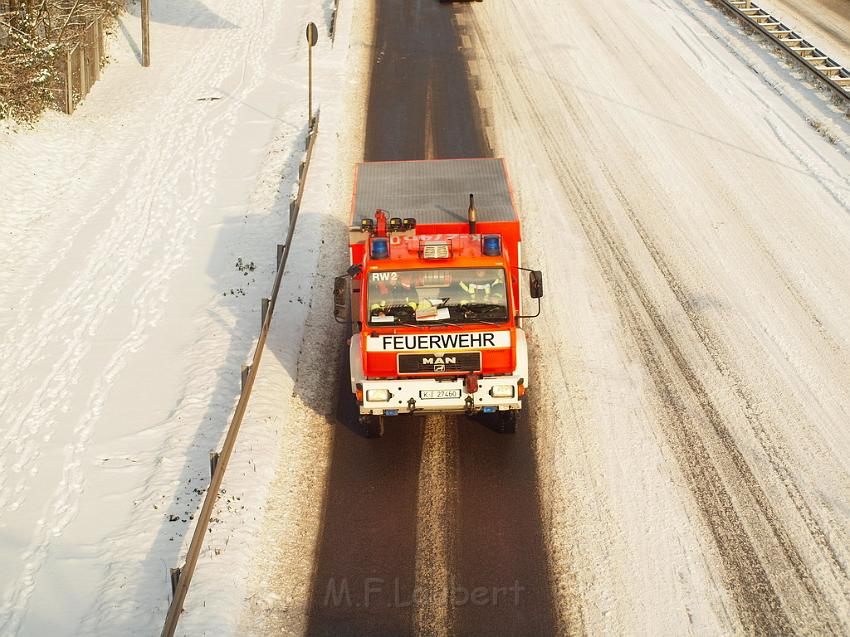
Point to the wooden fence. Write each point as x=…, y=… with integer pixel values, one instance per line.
x=5, y=18
x=79, y=68
x=79, y=63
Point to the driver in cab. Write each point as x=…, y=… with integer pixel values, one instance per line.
x=482, y=289
x=394, y=296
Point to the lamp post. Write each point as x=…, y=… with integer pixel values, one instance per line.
x=312, y=38
x=146, y=32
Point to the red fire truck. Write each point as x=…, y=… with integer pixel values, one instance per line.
x=433, y=292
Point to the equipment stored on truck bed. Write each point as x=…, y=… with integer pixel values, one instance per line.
x=433, y=292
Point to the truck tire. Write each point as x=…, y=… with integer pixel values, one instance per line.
x=372, y=426
x=505, y=422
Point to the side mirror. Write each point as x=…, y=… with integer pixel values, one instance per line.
x=341, y=299
x=535, y=284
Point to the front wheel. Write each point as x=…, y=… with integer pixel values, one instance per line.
x=372, y=426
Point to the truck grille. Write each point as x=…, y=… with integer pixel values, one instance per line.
x=439, y=362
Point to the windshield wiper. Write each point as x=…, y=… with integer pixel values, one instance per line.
x=484, y=322
x=475, y=313
x=483, y=307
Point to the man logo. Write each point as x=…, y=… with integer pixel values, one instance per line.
x=439, y=362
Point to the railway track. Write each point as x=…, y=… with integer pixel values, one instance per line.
x=799, y=48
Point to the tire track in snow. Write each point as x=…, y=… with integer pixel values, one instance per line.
x=818, y=166
x=718, y=483
x=818, y=613
x=780, y=459
x=766, y=434
x=758, y=605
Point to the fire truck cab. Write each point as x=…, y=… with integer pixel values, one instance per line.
x=433, y=292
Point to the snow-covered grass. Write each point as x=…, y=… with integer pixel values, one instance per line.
x=128, y=309
x=288, y=423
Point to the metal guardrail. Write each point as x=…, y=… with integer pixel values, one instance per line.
x=807, y=54
x=183, y=576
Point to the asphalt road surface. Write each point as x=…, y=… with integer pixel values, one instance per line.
x=435, y=527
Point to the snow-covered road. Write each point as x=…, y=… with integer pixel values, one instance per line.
x=692, y=360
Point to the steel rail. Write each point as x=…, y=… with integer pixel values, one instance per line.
x=808, y=55
x=188, y=569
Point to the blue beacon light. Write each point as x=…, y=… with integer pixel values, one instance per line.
x=380, y=248
x=491, y=245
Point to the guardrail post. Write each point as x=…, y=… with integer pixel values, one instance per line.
x=214, y=456
x=333, y=20
x=293, y=206
x=279, y=255
x=81, y=55
x=246, y=369
x=264, y=309
x=69, y=87
x=175, y=578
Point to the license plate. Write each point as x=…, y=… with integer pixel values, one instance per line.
x=439, y=393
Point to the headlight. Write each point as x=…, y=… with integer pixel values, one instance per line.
x=379, y=395
x=502, y=391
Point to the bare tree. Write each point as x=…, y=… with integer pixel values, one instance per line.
x=33, y=35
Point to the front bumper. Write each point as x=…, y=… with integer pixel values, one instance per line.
x=407, y=396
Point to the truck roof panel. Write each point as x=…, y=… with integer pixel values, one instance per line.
x=434, y=191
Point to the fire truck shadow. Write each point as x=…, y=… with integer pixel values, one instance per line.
x=365, y=558
x=499, y=540
x=364, y=580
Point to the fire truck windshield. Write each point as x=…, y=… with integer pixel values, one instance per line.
x=448, y=296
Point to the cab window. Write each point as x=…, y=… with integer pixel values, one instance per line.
x=448, y=295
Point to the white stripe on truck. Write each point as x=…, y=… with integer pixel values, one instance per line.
x=437, y=342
